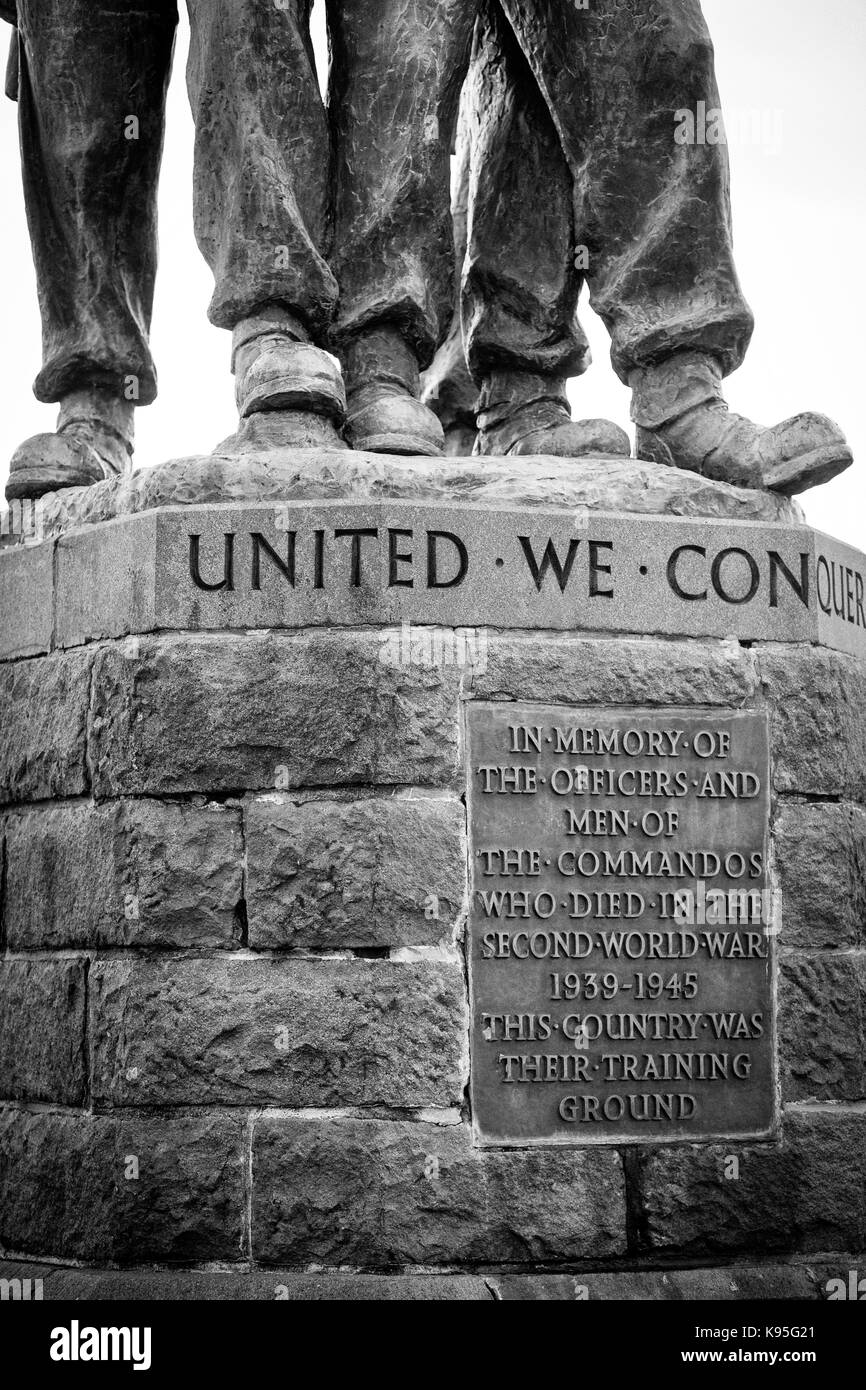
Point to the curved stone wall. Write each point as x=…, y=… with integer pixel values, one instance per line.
x=235, y=1012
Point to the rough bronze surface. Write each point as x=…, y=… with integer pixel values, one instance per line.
x=90, y=176
x=277, y=218
x=601, y=123
x=572, y=119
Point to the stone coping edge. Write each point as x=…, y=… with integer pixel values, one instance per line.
x=801, y=1280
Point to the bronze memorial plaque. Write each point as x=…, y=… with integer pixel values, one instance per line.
x=621, y=925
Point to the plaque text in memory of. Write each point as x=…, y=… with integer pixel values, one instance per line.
x=621, y=925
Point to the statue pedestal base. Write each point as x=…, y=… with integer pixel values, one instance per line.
x=299, y=971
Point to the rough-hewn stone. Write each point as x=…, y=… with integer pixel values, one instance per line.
x=267, y=711
x=3, y=862
x=129, y=873
x=350, y=766
x=817, y=703
x=822, y=1026
x=805, y=1193
x=374, y=1193
x=373, y=872
x=571, y=670
x=42, y=1037
x=43, y=715
x=283, y=1032
x=820, y=853
x=67, y=1186
x=304, y=474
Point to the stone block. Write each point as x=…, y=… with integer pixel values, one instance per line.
x=42, y=1033
x=553, y=669
x=106, y=577
x=161, y=1188
x=327, y=874
x=267, y=711
x=43, y=715
x=820, y=853
x=127, y=873
x=26, y=600
x=383, y=1193
x=243, y=1031
x=822, y=1026
x=805, y=1193
x=817, y=704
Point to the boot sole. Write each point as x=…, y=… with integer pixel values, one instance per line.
x=288, y=395
x=810, y=470
x=396, y=444
x=29, y=484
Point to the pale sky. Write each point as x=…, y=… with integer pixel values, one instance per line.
x=792, y=77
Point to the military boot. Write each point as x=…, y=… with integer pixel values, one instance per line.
x=93, y=441
x=289, y=393
x=385, y=414
x=684, y=421
x=523, y=413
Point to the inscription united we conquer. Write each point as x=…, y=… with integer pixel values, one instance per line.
x=621, y=926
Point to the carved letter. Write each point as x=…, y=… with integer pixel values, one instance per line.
x=754, y=576
x=801, y=589
x=286, y=567
x=228, y=580
x=550, y=560
x=433, y=581
x=672, y=573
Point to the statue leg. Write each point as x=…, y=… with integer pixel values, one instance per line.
x=262, y=214
x=92, y=84
x=522, y=276
x=447, y=386
x=398, y=67
x=637, y=112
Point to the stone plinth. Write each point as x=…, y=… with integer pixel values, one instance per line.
x=235, y=1004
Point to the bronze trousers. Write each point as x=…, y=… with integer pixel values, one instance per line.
x=92, y=84
x=340, y=214
x=574, y=174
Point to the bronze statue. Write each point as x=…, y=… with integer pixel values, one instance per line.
x=329, y=231
x=311, y=252
x=91, y=90
x=573, y=170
